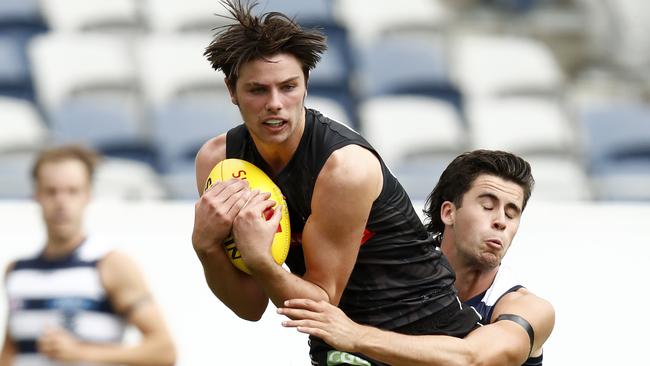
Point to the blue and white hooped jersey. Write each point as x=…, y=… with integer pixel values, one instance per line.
x=66, y=293
x=484, y=303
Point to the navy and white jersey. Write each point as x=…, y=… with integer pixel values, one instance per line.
x=484, y=303
x=66, y=293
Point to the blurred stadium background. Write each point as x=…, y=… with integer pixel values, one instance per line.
x=564, y=83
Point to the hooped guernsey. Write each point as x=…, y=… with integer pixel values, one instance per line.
x=400, y=276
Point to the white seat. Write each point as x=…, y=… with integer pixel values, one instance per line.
x=519, y=125
x=79, y=15
x=366, y=19
x=121, y=179
x=497, y=65
x=171, y=65
x=15, y=179
x=68, y=64
x=21, y=125
x=400, y=126
x=169, y=16
x=329, y=108
x=559, y=179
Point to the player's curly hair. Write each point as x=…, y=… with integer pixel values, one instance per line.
x=458, y=177
x=252, y=37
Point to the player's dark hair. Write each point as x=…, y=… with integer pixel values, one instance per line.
x=458, y=177
x=253, y=37
x=86, y=156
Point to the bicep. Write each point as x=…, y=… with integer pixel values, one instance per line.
x=341, y=203
x=500, y=343
x=537, y=312
x=124, y=284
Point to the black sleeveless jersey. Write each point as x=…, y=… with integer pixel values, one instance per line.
x=400, y=275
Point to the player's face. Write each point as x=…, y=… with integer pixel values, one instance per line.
x=487, y=221
x=270, y=94
x=63, y=192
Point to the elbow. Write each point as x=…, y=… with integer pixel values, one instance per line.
x=250, y=317
x=250, y=314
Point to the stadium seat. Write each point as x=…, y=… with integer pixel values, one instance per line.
x=20, y=13
x=559, y=178
x=501, y=65
x=15, y=180
x=419, y=174
x=122, y=179
x=407, y=65
x=630, y=25
x=403, y=126
x=15, y=76
x=66, y=65
x=182, y=126
x=524, y=125
x=115, y=16
x=304, y=12
x=110, y=124
x=173, y=16
x=21, y=125
x=617, y=146
x=20, y=20
x=329, y=108
x=366, y=20
x=172, y=66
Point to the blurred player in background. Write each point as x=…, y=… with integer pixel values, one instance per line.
x=357, y=242
x=72, y=301
x=475, y=207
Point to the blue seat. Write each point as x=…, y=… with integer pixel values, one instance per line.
x=20, y=20
x=304, y=12
x=617, y=147
x=182, y=126
x=22, y=13
x=109, y=124
x=401, y=64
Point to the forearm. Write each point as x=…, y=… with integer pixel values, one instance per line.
x=237, y=290
x=398, y=349
x=151, y=351
x=281, y=285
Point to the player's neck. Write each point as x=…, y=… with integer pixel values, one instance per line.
x=61, y=246
x=471, y=281
x=277, y=156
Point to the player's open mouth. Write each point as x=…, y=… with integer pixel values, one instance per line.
x=274, y=122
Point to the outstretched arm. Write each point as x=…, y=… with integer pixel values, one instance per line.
x=500, y=343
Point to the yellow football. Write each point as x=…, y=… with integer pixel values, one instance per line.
x=257, y=179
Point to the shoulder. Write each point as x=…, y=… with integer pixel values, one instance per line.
x=212, y=152
x=117, y=268
x=523, y=299
x=10, y=267
x=538, y=312
x=353, y=167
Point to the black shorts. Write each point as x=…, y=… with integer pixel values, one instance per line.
x=455, y=320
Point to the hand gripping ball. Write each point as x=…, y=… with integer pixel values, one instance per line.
x=257, y=179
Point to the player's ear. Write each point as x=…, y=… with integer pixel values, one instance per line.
x=447, y=213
